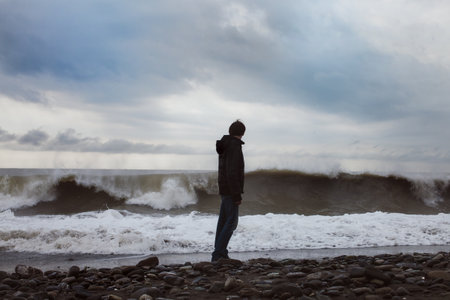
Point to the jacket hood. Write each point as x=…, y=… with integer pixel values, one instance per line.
x=222, y=144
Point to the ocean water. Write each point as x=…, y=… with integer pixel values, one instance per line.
x=154, y=212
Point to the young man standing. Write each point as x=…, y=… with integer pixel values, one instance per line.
x=231, y=186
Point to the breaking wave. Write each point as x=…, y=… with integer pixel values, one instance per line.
x=266, y=191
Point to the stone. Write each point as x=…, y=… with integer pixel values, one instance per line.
x=356, y=272
x=203, y=266
x=318, y=275
x=73, y=271
x=27, y=271
x=290, y=288
x=295, y=275
x=248, y=292
x=113, y=297
x=173, y=280
x=216, y=287
x=376, y=274
x=315, y=283
x=230, y=284
x=362, y=290
x=145, y=297
x=402, y=291
x=123, y=281
x=11, y=282
x=151, y=291
x=69, y=280
x=151, y=262
x=3, y=275
x=4, y=287
x=229, y=262
x=439, y=274
x=372, y=297
x=377, y=282
x=438, y=257
x=383, y=291
x=273, y=275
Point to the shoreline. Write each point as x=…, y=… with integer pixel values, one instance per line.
x=63, y=262
x=401, y=275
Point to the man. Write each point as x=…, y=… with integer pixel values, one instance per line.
x=231, y=186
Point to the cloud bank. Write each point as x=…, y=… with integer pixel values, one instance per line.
x=357, y=80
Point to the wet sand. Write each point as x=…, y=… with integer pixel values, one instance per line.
x=9, y=260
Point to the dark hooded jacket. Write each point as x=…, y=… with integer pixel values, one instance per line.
x=231, y=166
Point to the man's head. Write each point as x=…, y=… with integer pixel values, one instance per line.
x=237, y=128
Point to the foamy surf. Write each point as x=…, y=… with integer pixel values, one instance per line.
x=120, y=232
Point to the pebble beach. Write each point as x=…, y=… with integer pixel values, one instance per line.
x=383, y=276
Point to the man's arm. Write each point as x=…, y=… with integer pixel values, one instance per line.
x=233, y=172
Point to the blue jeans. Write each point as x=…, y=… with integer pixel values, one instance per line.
x=227, y=223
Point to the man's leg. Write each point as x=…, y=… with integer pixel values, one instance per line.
x=228, y=220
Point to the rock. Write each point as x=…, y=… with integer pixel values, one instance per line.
x=123, y=281
x=173, y=279
x=362, y=290
x=4, y=287
x=318, y=275
x=11, y=282
x=73, y=271
x=273, y=275
x=203, y=266
x=69, y=280
x=439, y=274
x=377, y=282
x=383, y=291
x=230, y=284
x=248, y=292
x=290, y=288
x=356, y=272
x=372, y=297
x=27, y=271
x=295, y=274
x=216, y=287
x=315, y=283
x=151, y=291
x=229, y=262
x=438, y=257
x=185, y=268
x=200, y=280
x=3, y=275
x=151, y=262
x=376, y=274
x=113, y=297
x=402, y=291
x=145, y=297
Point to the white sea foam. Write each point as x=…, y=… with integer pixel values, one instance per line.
x=172, y=195
x=117, y=232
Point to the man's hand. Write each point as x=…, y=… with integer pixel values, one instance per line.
x=237, y=199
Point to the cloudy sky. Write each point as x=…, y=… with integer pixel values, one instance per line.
x=321, y=85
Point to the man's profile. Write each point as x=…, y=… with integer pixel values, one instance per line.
x=231, y=186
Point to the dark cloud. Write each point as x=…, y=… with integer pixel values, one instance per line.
x=295, y=52
x=34, y=137
x=6, y=136
x=72, y=141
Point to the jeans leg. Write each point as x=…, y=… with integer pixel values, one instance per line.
x=227, y=223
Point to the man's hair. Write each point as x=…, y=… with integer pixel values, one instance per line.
x=237, y=128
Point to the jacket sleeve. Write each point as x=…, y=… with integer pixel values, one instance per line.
x=233, y=170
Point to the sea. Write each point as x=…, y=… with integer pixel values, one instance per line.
x=145, y=212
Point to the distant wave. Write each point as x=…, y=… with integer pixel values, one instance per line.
x=266, y=191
